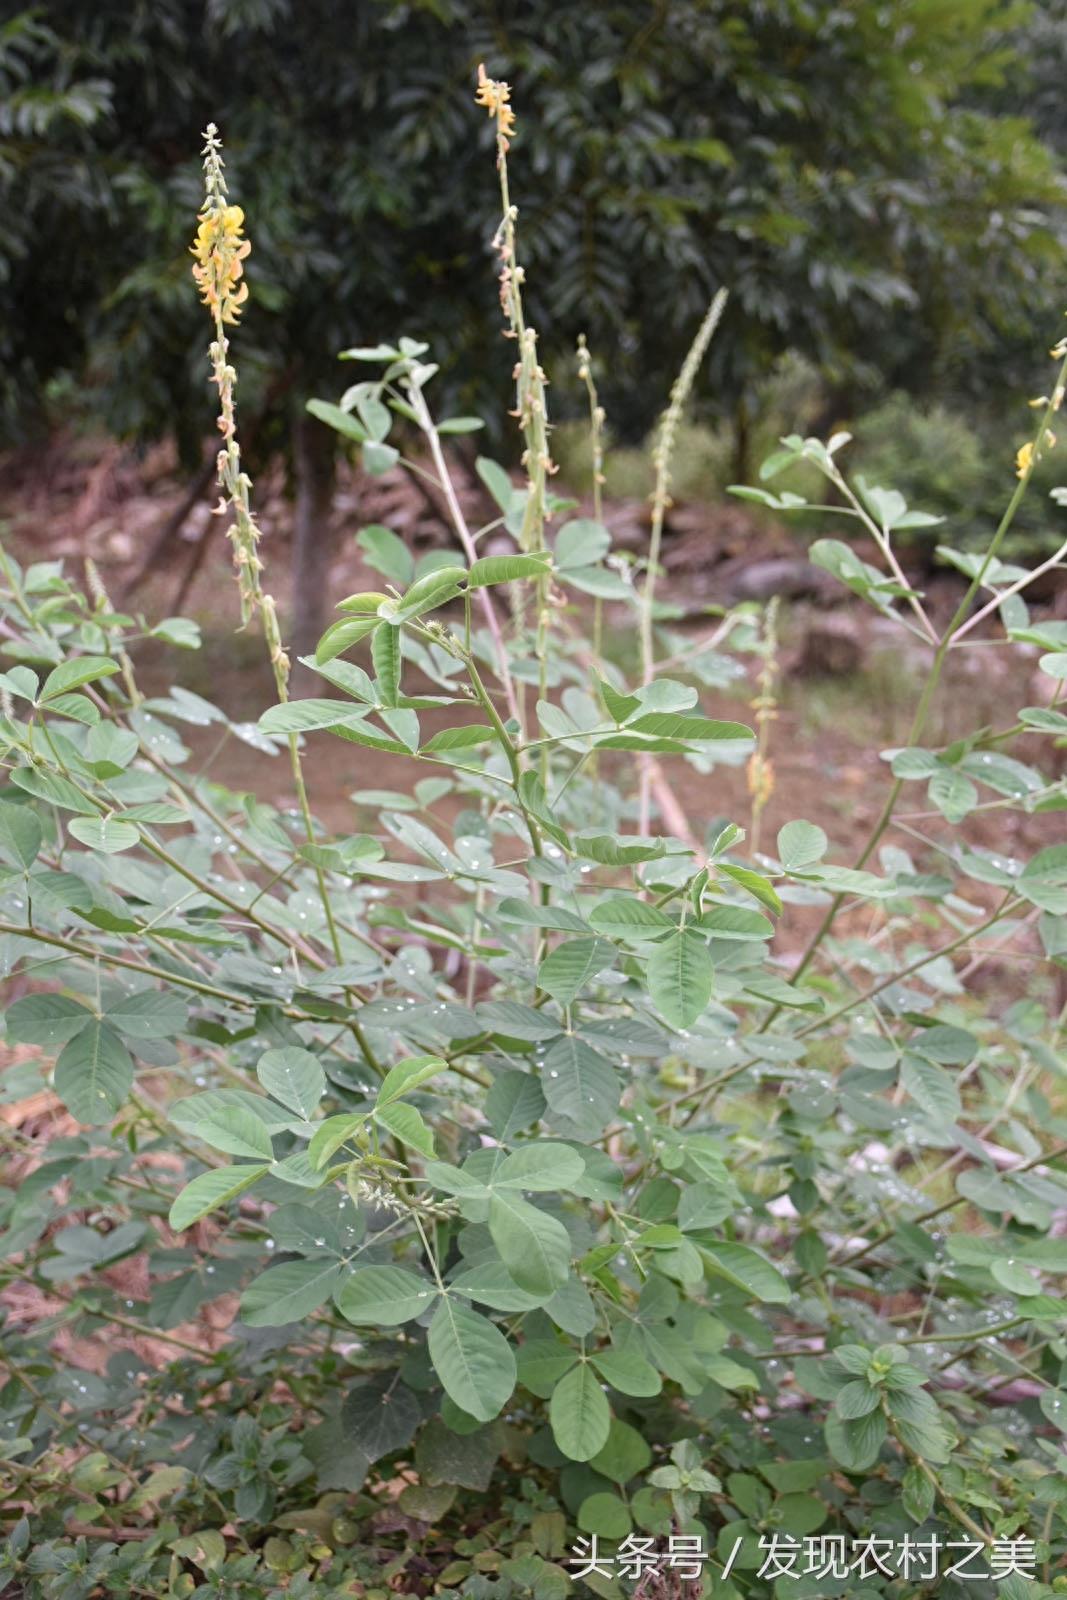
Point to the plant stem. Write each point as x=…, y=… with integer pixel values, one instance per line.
x=660, y=500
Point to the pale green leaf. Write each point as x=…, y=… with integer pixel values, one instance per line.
x=579, y=1414
x=210, y=1191
x=473, y=1360
x=384, y=1297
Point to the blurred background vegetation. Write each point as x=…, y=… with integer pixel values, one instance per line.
x=880, y=184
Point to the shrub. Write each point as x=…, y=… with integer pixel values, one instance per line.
x=562, y=1208
x=952, y=464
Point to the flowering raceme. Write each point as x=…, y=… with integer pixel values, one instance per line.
x=495, y=97
x=220, y=251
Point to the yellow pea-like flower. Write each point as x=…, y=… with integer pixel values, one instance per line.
x=220, y=250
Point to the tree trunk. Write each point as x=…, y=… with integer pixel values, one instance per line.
x=742, y=440
x=314, y=542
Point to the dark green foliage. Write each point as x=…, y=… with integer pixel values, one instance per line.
x=830, y=164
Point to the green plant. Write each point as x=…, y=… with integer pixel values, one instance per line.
x=562, y=1208
x=942, y=459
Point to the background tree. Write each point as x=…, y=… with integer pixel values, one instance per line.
x=840, y=168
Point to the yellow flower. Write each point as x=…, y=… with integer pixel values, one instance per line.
x=220, y=252
x=494, y=96
x=759, y=775
x=1024, y=460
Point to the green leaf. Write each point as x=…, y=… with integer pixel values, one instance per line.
x=579, y=1414
x=408, y=1075
x=1053, y=1403
x=605, y=1515
x=511, y=1020
x=918, y=1424
x=308, y=1232
x=680, y=978
x=534, y=1246
x=384, y=1297
x=691, y=730
x=571, y=1308
x=367, y=603
x=94, y=1074
x=56, y=791
x=302, y=716
x=626, y=1369
x=748, y=1270
x=340, y=421
x=801, y=844
x=466, y=737
x=506, y=569
x=460, y=425
x=856, y=1444
x=380, y=1415
x=568, y=968
x=581, y=543
x=289, y=1292
x=538, y=916
x=45, y=1019
x=341, y=636
x=705, y=1205
x=148, y=1014
x=930, y=1087
x=330, y=1135
x=515, y=1101
x=20, y=834
x=72, y=674
x=1015, y=1277
x=473, y=1360
x=856, y=1399
x=628, y=919
x=580, y=1084
x=618, y=850
x=1055, y=664
x=542, y=1363
x=386, y=651
x=106, y=834
x=387, y=553
x=729, y=1374
x=294, y=1077
x=210, y=1191
x=496, y=481
x=234, y=1129
x=436, y=589
x=754, y=883
x=407, y=1125
x=379, y=458
x=539, y=1167
x=491, y=1284
x=917, y=1494
x=453, y=1180
x=952, y=793
x=463, y=1460
x=735, y=922
x=624, y=1455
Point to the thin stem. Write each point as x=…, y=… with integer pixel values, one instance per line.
x=660, y=500
x=422, y=412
